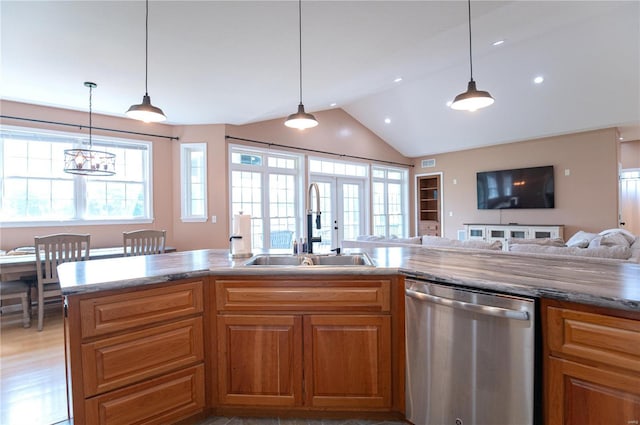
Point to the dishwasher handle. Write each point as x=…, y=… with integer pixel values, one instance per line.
x=475, y=308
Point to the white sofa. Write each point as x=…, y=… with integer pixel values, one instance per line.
x=423, y=241
x=612, y=245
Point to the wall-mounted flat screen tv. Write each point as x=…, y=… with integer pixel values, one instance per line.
x=518, y=188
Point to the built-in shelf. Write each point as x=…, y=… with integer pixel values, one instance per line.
x=429, y=205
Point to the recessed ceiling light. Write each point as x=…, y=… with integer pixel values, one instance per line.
x=397, y=80
x=449, y=103
x=497, y=42
x=387, y=120
x=620, y=138
x=333, y=104
x=539, y=79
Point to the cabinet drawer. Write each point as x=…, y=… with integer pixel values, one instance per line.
x=604, y=339
x=163, y=400
x=281, y=295
x=112, y=363
x=113, y=313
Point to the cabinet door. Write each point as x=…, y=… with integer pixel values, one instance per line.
x=347, y=361
x=260, y=360
x=579, y=394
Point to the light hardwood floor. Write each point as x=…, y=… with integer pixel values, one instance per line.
x=33, y=386
x=32, y=372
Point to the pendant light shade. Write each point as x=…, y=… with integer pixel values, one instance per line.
x=300, y=120
x=88, y=162
x=473, y=98
x=145, y=111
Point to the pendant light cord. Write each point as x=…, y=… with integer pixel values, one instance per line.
x=300, y=43
x=146, y=49
x=90, y=119
x=470, y=59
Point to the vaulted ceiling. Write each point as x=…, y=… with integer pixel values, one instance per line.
x=236, y=62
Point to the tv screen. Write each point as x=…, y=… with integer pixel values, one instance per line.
x=518, y=188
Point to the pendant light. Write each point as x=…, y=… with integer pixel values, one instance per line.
x=300, y=119
x=146, y=111
x=88, y=162
x=472, y=99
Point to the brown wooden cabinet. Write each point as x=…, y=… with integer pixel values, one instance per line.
x=592, y=365
x=141, y=353
x=429, y=205
x=314, y=343
x=260, y=360
x=347, y=361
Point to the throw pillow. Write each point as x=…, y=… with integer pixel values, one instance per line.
x=581, y=239
x=630, y=237
x=610, y=239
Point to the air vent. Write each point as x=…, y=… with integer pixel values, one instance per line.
x=428, y=163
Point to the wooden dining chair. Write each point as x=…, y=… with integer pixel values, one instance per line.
x=144, y=242
x=51, y=251
x=18, y=289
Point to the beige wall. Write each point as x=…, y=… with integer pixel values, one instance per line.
x=103, y=235
x=587, y=199
x=337, y=132
x=203, y=235
x=630, y=154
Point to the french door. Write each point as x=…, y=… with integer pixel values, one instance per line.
x=342, y=203
x=630, y=200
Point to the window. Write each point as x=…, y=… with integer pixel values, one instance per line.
x=193, y=172
x=35, y=188
x=266, y=185
x=389, y=190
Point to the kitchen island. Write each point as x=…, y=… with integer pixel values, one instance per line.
x=198, y=331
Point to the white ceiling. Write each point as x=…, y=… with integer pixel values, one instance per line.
x=236, y=62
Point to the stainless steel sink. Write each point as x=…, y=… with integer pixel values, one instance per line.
x=274, y=260
x=310, y=260
x=342, y=260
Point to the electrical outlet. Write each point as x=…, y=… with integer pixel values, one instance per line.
x=214, y=219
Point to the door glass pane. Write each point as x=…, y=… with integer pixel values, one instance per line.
x=282, y=210
x=327, y=217
x=352, y=213
x=396, y=216
x=379, y=216
x=246, y=197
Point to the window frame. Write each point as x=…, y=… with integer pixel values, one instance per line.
x=404, y=194
x=80, y=182
x=265, y=171
x=186, y=191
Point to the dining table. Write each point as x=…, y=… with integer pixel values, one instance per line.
x=23, y=266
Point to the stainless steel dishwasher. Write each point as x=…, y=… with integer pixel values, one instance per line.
x=470, y=356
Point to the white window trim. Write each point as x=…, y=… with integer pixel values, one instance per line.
x=404, y=184
x=185, y=190
x=82, y=221
x=264, y=169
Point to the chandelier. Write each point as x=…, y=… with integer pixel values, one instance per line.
x=89, y=162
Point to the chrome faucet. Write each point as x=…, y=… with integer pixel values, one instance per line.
x=310, y=238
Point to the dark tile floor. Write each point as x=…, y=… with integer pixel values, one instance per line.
x=218, y=420
x=293, y=421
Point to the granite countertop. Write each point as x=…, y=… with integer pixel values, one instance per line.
x=603, y=284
